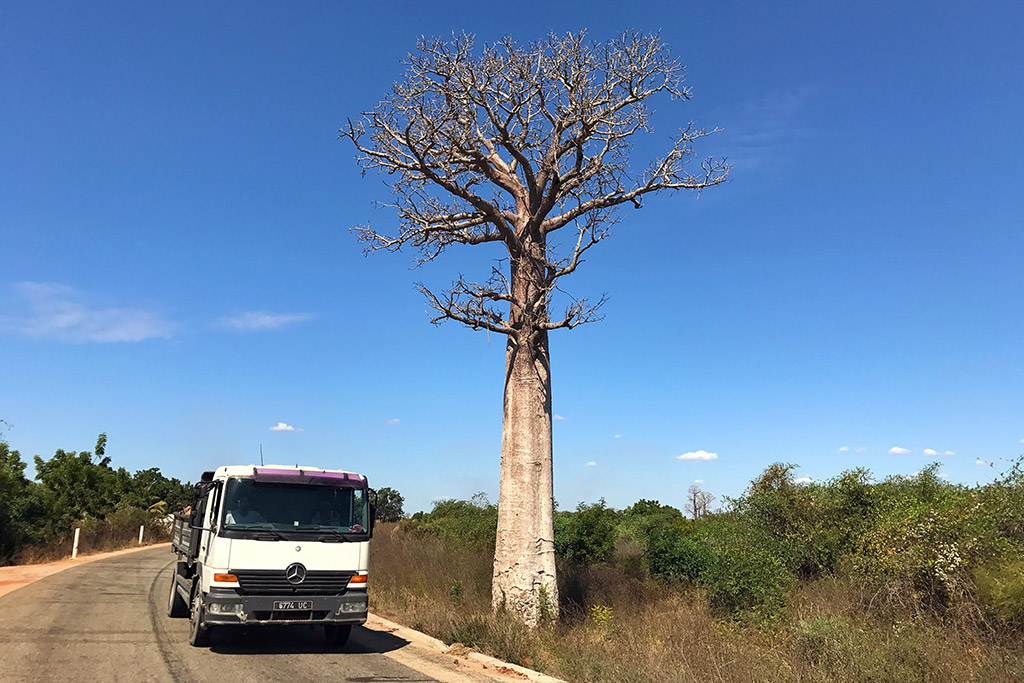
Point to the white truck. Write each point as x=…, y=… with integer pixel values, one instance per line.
x=273, y=545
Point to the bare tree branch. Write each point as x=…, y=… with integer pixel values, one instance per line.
x=512, y=143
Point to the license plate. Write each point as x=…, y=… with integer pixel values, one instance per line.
x=293, y=604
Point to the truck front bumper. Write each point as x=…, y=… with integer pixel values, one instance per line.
x=225, y=606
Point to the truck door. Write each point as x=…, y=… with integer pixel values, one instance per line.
x=203, y=511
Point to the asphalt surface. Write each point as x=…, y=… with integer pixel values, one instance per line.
x=107, y=621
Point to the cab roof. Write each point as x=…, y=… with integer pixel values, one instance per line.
x=287, y=473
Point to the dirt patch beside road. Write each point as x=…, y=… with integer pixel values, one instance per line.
x=14, y=577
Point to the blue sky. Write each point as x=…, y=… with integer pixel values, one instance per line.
x=177, y=269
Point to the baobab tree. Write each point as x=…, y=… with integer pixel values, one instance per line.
x=698, y=501
x=510, y=145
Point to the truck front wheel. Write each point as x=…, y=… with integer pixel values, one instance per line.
x=337, y=635
x=176, y=605
x=198, y=633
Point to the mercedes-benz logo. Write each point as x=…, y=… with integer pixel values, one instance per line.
x=295, y=573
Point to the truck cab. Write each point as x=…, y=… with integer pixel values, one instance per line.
x=273, y=545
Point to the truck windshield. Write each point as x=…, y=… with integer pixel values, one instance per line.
x=294, y=507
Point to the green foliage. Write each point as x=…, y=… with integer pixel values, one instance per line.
x=749, y=574
x=588, y=535
x=455, y=592
x=544, y=607
x=675, y=554
x=931, y=535
x=389, y=505
x=464, y=523
x=1001, y=592
x=917, y=541
x=601, y=615
x=824, y=639
x=76, y=489
x=470, y=632
x=644, y=517
x=13, y=496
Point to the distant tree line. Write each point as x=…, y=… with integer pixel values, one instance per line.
x=75, y=489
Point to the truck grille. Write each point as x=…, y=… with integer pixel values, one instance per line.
x=290, y=615
x=273, y=582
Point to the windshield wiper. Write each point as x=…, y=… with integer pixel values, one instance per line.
x=260, y=532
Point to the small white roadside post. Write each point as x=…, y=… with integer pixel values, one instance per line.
x=74, y=549
x=142, y=527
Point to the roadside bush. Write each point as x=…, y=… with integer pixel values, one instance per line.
x=933, y=537
x=674, y=555
x=1001, y=592
x=747, y=575
x=640, y=520
x=464, y=523
x=824, y=639
x=795, y=516
x=587, y=535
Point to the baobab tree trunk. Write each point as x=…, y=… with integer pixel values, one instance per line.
x=524, y=556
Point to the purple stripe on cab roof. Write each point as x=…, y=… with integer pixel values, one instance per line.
x=313, y=477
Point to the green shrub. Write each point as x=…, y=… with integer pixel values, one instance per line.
x=470, y=632
x=931, y=536
x=464, y=523
x=640, y=520
x=587, y=535
x=1001, y=592
x=674, y=555
x=747, y=575
x=823, y=638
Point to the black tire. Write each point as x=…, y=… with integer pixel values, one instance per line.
x=198, y=632
x=176, y=605
x=336, y=635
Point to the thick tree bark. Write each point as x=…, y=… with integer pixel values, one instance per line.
x=524, y=556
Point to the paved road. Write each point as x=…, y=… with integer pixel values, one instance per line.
x=106, y=621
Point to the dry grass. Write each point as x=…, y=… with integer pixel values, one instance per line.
x=98, y=536
x=619, y=626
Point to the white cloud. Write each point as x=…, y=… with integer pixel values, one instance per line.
x=862, y=449
x=844, y=449
x=393, y=421
x=618, y=436
x=558, y=417
x=930, y=451
x=54, y=311
x=982, y=463
x=257, y=321
x=949, y=453
x=698, y=455
x=282, y=427
x=591, y=464
x=896, y=450
x=803, y=480
x=698, y=481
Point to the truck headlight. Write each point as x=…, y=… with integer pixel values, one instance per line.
x=224, y=608
x=358, y=606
